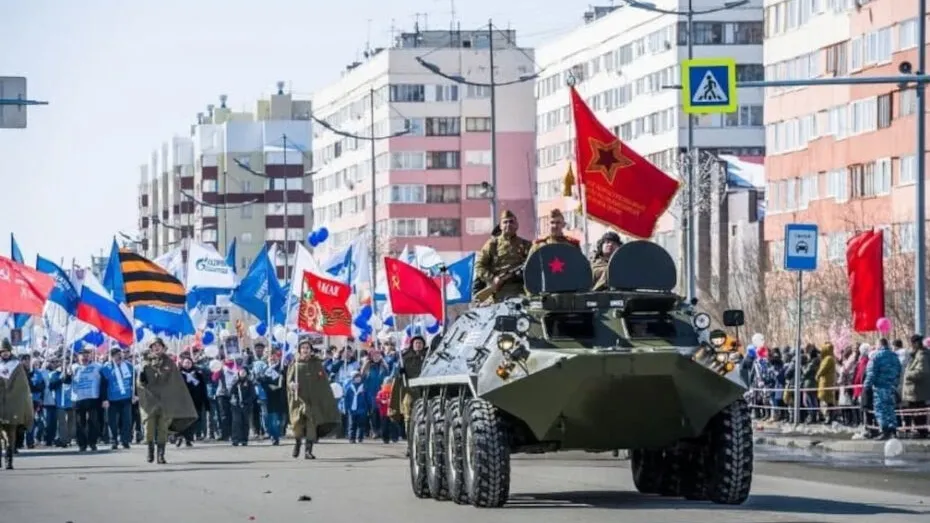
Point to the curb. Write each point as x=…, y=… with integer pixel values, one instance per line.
x=833, y=445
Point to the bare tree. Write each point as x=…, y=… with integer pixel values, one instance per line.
x=710, y=176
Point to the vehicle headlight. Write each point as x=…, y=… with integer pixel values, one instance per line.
x=721, y=358
x=523, y=325
x=701, y=320
x=505, y=342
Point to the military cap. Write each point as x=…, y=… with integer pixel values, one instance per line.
x=506, y=214
x=6, y=345
x=157, y=340
x=611, y=236
x=555, y=213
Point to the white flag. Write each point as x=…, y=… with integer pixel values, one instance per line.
x=207, y=269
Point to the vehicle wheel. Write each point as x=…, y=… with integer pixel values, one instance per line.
x=455, y=453
x=729, y=467
x=694, y=474
x=646, y=466
x=487, y=455
x=670, y=472
x=436, y=452
x=417, y=445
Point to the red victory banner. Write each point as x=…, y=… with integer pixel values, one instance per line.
x=323, y=306
x=23, y=289
x=621, y=188
x=865, y=266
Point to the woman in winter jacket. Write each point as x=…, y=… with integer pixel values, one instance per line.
x=826, y=381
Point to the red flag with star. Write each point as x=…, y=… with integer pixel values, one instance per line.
x=412, y=291
x=323, y=306
x=622, y=189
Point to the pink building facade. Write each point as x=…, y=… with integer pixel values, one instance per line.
x=433, y=183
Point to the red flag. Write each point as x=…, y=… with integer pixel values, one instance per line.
x=411, y=291
x=622, y=189
x=866, y=269
x=323, y=306
x=22, y=289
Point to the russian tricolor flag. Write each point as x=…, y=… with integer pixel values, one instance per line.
x=98, y=309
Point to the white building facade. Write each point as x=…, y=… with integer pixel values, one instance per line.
x=621, y=59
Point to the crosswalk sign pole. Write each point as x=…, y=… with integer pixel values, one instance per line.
x=692, y=158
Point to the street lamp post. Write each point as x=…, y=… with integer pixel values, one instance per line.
x=492, y=86
x=688, y=212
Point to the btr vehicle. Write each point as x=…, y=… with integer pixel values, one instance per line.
x=565, y=368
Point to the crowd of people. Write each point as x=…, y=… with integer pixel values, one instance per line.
x=90, y=399
x=884, y=389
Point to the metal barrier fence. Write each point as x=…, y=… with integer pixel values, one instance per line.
x=909, y=419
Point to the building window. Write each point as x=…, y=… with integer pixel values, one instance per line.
x=746, y=116
x=404, y=194
x=884, y=111
x=907, y=170
x=750, y=72
x=444, y=126
x=477, y=158
x=882, y=180
x=444, y=227
x=907, y=237
x=478, y=226
x=476, y=191
x=209, y=235
x=209, y=186
x=445, y=93
x=208, y=212
x=907, y=102
x=245, y=186
x=277, y=209
x=837, y=59
x=408, y=93
x=477, y=125
x=245, y=237
x=408, y=161
x=722, y=33
x=443, y=194
x=478, y=91
x=907, y=34
x=443, y=160
x=407, y=227
x=245, y=212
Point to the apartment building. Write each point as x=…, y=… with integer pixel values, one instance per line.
x=248, y=175
x=621, y=59
x=432, y=184
x=843, y=157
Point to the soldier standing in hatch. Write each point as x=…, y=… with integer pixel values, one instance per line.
x=606, y=246
x=500, y=260
x=556, y=233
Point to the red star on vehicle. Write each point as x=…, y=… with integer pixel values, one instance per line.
x=607, y=158
x=556, y=265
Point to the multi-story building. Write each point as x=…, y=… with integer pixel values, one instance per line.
x=432, y=184
x=621, y=59
x=240, y=169
x=843, y=157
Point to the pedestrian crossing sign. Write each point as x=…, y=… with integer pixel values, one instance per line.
x=708, y=85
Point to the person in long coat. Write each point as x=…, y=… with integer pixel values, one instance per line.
x=311, y=404
x=15, y=401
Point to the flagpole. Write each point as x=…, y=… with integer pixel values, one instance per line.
x=443, y=271
x=572, y=137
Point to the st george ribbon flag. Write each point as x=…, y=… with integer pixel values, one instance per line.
x=323, y=306
x=23, y=289
x=621, y=188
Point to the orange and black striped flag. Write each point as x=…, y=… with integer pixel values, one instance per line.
x=146, y=283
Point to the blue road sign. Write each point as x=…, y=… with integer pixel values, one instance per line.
x=801, y=247
x=708, y=85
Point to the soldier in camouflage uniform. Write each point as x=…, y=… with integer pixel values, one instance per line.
x=500, y=258
x=882, y=378
x=556, y=233
x=605, y=248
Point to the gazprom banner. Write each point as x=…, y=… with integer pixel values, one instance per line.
x=207, y=269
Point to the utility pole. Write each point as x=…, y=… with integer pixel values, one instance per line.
x=374, y=205
x=493, y=87
x=689, y=211
x=920, y=216
x=287, y=247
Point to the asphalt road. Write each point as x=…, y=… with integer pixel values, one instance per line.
x=369, y=483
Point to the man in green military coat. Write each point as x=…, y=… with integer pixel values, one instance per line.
x=606, y=246
x=164, y=402
x=312, y=408
x=499, y=263
x=15, y=401
x=411, y=364
x=556, y=233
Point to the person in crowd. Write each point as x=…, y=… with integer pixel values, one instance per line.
x=210, y=426
x=915, y=393
x=88, y=392
x=257, y=361
x=270, y=380
x=103, y=435
x=410, y=367
x=163, y=400
x=15, y=401
x=882, y=378
x=826, y=382
x=49, y=401
x=300, y=374
x=67, y=423
x=498, y=263
x=223, y=379
x=355, y=400
x=242, y=398
x=119, y=377
x=389, y=432
x=196, y=384
x=374, y=371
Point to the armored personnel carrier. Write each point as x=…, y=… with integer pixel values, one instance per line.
x=564, y=368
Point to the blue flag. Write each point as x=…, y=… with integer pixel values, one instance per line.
x=113, y=278
x=231, y=255
x=259, y=286
x=19, y=320
x=64, y=293
x=460, y=275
